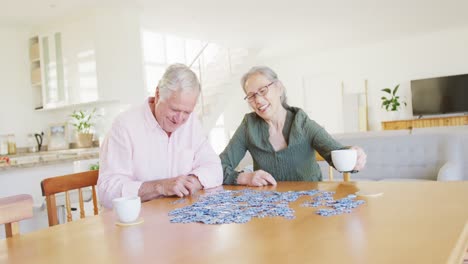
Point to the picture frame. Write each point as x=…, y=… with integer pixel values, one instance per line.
x=58, y=136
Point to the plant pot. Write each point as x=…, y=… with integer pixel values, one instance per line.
x=394, y=115
x=84, y=140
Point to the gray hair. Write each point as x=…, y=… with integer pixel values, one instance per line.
x=178, y=77
x=270, y=75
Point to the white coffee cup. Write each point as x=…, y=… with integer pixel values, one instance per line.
x=344, y=159
x=127, y=208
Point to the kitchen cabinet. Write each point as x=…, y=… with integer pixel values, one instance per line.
x=36, y=71
x=94, y=59
x=78, y=46
x=54, y=93
x=47, y=71
x=63, y=68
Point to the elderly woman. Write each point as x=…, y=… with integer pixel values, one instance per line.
x=281, y=139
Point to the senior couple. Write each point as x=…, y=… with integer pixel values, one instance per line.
x=158, y=149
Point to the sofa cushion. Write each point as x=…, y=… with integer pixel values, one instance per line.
x=449, y=172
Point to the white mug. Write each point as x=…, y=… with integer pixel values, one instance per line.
x=127, y=208
x=344, y=159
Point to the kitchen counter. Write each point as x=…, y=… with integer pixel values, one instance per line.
x=28, y=160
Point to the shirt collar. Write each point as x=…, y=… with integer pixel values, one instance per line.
x=150, y=119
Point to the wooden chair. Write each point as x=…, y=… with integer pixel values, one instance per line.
x=52, y=186
x=14, y=209
x=346, y=175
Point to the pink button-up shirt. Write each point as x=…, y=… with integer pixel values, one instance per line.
x=137, y=150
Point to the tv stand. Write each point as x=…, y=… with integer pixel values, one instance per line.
x=426, y=122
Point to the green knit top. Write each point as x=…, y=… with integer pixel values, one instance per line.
x=296, y=162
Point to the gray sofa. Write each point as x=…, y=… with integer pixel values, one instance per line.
x=417, y=154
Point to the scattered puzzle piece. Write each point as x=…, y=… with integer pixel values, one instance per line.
x=225, y=207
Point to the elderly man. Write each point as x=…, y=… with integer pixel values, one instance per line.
x=158, y=149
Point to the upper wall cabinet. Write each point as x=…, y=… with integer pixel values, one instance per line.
x=36, y=71
x=54, y=93
x=95, y=58
x=47, y=71
x=63, y=69
x=80, y=62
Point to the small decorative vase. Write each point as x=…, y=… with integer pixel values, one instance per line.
x=395, y=115
x=84, y=140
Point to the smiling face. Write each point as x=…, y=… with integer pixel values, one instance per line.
x=173, y=111
x=267, y=106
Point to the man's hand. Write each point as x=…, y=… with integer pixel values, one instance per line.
x=181, y=186
x=195, y=184
x=257, y=178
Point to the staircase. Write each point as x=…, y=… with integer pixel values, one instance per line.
x=219, y=70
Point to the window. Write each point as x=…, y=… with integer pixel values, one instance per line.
x=160, y=50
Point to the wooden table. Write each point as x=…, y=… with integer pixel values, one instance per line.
x=412, y=222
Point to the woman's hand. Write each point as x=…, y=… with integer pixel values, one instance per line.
x=257, y=178
x=361, y=158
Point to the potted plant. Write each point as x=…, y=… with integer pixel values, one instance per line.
x=392, y=103
x=83, y=121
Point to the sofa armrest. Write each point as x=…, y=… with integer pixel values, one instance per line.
x=450, y=171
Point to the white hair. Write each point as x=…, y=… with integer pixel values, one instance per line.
x=178, y=77
x=269, y=74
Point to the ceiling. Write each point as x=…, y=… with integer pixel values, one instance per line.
x=261, y=23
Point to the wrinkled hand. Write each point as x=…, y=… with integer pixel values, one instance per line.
x=257, y=178
x=181, y=186
x=361, y=158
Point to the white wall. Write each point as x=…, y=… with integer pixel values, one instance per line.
x=382, y=64
x=119, y=55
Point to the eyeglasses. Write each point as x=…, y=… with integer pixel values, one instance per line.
x=261, y=92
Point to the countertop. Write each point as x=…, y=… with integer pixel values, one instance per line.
x=28, y=160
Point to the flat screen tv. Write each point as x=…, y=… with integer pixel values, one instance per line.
x=442, y=95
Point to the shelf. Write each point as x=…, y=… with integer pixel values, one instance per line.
x=34, y=49
x=69, y=106
x=460, y=120
x=35, y=72
x=36, y=75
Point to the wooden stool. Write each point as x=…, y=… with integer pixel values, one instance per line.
x=14, y=209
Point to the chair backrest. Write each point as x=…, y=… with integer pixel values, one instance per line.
x=14, y=209
x=76, y=181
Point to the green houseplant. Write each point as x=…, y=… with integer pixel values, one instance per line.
x=393, y=102
x=83, y=121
